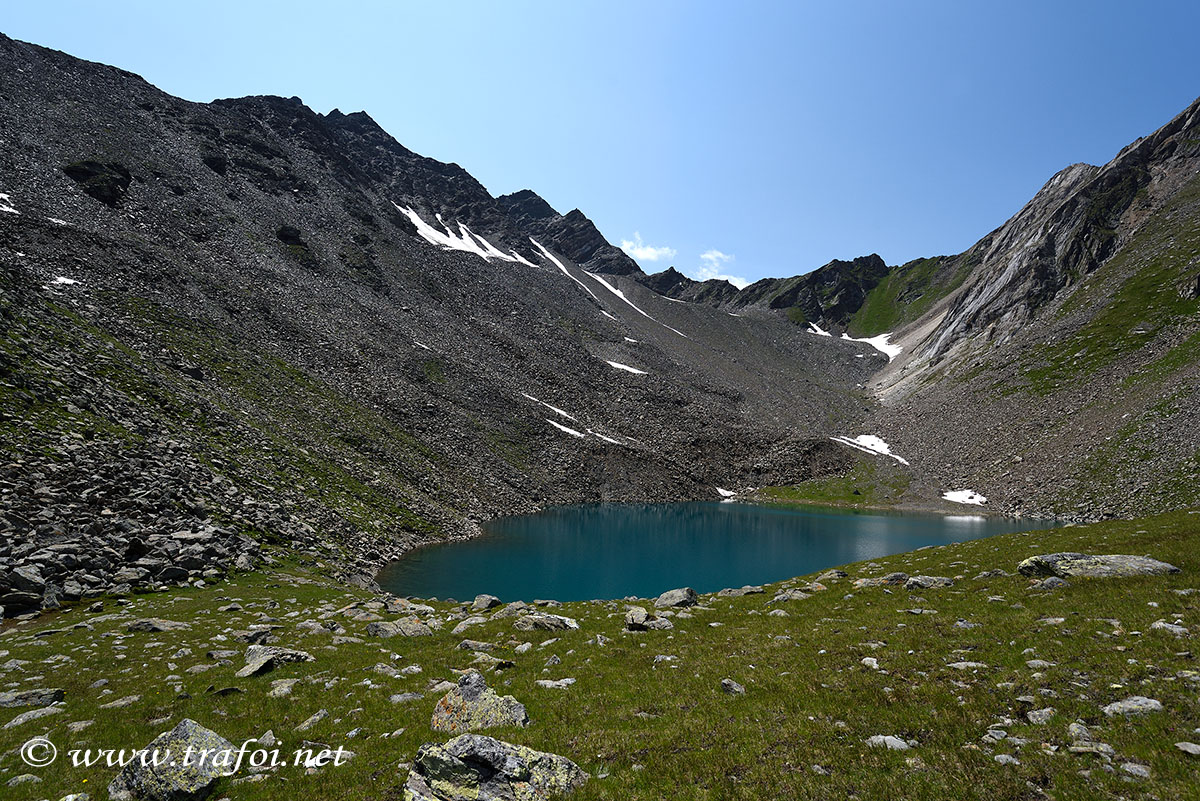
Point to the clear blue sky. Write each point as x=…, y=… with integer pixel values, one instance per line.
x=779, y=134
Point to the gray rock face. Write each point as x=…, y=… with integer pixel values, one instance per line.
x=1068, y=565
x=472, y=705
x=187, y=779
x=472, y=766
x=684, y=596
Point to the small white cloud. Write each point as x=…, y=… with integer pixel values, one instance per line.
x=713, y=262
x=643, y=252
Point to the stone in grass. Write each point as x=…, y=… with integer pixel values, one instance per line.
x=927, y=582
x=265, y=658
x=405, y=626
x=39, y=697
x=544, y=621
x=888, y=741
x=472, y=705
x=176, y=779
x=1067, y=565
x=474, y=766
x=1133, y=706
x=1040, y=717
x=684, y=596
x=731, y=687
x=484, y=602
x=156, y=624
x=32, y=714
x=1189, y=748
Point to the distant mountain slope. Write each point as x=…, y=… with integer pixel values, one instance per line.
x=358, y=341
x=1063, y=373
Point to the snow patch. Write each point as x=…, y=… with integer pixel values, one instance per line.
x=869, y=443
x=813, y=328
x=57, y=221
x=6, y=204
x=560, y=266
x=554, y=409
x=598, y=435
x=612, y=317
x=626, y=368
x=421, y=345
x=621, y=295
x=566, y=430
x=634, y=341
x=879, y=343
x=62, y=280
x=724, y=493
x=466, y=240
x=964, y=496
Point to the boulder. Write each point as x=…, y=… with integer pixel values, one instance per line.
x=484, y=602
x=472, y=705
x=178, y=778
x=1133, y=706
x=405, y=626
x=155, y=624
x=635, y=618
x=890, y=580
x=738, y=592
x=1070, y=565
x=477, y=767
x=790, y=595
x=927, y=582
x=685, y=596
x=544, y=621
x=31, y=698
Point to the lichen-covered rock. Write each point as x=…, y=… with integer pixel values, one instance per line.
x=472, y=705
x=927, y=582
x=545, y=622
x=1068, y=565
x=476, y=767
x=184, y=775
x=684, y=596
x=890, y=580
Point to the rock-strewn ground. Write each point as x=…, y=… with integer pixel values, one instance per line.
x=968, y=681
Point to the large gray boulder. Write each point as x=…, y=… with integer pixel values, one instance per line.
x=684, y=596
x=39, y=697
x=544, y=621
x=176, y=778
x=405, y=626
x=472, y=705
x=472, y=766
x=1069, y=565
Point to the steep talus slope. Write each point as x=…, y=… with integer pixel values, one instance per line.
x=251, y=283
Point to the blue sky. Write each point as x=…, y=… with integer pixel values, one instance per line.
x=750, y=139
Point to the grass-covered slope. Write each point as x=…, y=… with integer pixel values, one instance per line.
x=649, y=727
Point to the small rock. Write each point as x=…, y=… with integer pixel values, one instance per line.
x=731, y=687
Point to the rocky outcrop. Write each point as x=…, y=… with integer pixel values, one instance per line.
x=476, y=767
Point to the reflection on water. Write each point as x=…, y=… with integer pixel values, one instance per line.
x=575, y=553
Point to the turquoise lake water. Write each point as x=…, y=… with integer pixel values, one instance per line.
x=609, y=550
